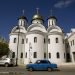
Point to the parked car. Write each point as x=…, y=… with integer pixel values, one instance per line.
x=41, y=65
x=6, y=62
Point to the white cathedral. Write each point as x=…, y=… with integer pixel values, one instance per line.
x=28, y=44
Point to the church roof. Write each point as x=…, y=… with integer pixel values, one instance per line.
x=37, y=16
x=52, y=17
x=22, y=17
x=35, y=27
x=18, y=29
x=54, y=29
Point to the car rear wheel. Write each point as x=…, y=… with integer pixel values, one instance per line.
x=30, y=69
x=49, y=69
x=6, y=64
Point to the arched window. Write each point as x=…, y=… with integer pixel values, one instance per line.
x=22, y=41
x=58, y=55
x=63, y=41
x=64, y=55
x=49, y=55
x=21, y=22
x=68, y=57
x=13, y=55
x=57, y=40
x=49, y=23
x=14, y=40
x=44, y=55
x=21, y=55
x=35, y=39
x=35, y=55
x=73, y=42
x=26, y=55
x=44, y=40
x=48, y=41
x=52, y=22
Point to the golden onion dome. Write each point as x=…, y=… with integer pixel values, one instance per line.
x=37, y=16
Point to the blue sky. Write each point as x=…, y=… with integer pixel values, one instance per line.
x=10, y=10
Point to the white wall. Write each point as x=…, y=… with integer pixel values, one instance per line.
x=38, y=47
x=54, y=47
x=72, y=47
x=21, y=47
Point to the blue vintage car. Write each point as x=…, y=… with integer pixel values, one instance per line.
x=41, y=65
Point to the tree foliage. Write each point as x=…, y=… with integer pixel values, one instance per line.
x=4, y=49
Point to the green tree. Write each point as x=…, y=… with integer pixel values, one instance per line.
x=4, y=49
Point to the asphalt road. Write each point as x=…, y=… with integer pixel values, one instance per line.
x=23, y=71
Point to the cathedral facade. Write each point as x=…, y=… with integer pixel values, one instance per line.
x=28, y=44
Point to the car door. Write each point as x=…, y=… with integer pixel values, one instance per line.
x=38, y=65
x=41, y=65
x=44, y=65
x=1, y=61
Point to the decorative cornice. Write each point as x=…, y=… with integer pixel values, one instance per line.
x=36, y=32
x=16, y=33
x=55, y=33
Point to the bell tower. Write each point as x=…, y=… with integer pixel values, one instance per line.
x=52, y=20
x=22, y=20
x=37, y=18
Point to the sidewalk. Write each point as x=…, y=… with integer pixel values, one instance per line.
x=68, y=65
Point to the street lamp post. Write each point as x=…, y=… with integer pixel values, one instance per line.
x=30, y=47
x=17, y=46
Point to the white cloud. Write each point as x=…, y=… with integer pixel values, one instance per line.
x=63, y=3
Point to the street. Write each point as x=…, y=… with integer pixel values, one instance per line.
x=23, y=71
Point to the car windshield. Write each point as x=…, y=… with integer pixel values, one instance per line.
x=42, y=61
x=48, y=62
x=37, y=62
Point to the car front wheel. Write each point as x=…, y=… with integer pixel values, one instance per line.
x=30, y=69
x=49, y=69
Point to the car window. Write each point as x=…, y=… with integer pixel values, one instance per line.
x=38, y=62
x=4, y=59
x=48, y=61
x=44, y=62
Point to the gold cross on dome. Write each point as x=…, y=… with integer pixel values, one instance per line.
x=51, y=11
x=37, y=10
x=23, y=11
